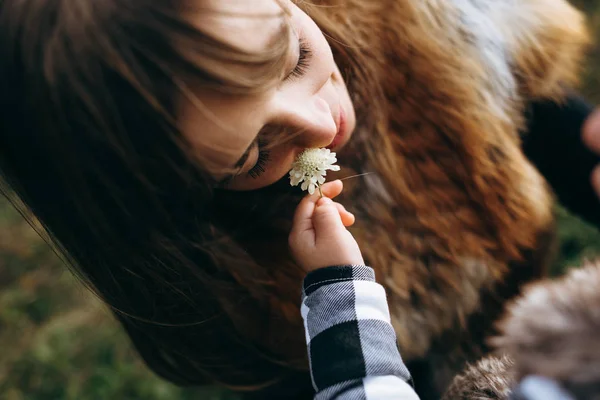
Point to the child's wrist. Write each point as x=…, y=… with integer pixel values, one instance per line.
x=340, y=272
x=335, y=274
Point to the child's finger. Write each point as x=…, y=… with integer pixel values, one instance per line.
x=304, y=212
x=326, y=218
x=347, y=217
x=332, y=189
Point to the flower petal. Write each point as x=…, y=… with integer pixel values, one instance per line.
x=310, y=168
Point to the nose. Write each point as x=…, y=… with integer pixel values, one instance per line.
x=313, y=117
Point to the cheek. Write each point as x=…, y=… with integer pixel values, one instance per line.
x=280, y=163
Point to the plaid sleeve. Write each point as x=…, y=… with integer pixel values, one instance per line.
x=351, y=344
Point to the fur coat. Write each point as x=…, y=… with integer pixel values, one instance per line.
x=457, y=218
x=453, y=217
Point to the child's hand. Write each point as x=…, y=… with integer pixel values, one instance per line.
x=319, y=237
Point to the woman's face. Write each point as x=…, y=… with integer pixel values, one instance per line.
x=311, y=99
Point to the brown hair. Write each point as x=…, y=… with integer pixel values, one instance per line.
x=89, y=144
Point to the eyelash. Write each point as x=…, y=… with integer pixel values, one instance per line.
x=263, y=159
x=304, y=57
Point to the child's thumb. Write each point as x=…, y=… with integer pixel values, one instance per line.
x=326, y=218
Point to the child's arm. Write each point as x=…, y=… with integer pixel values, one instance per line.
x=351, y=344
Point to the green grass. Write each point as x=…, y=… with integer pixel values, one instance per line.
x=59, y=343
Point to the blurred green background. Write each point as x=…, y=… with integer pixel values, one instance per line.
x=58, y=343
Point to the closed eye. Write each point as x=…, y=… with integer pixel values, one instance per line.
x=263, y=158
x=304, y=58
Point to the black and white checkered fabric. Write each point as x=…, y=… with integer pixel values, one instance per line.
x=351, y=343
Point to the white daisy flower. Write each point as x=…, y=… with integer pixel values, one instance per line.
x=310, y=168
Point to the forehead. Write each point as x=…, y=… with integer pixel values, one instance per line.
x=246, y=24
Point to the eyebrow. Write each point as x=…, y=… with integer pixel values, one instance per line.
x=240, y=163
